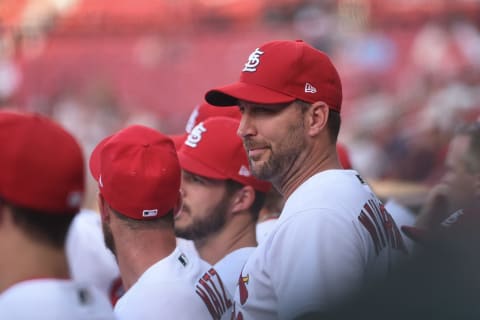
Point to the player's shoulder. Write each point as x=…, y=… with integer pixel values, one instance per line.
x=54, y=299
x=160, y=300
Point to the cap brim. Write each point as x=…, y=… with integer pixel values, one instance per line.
x=230, y=94
x=196, y=167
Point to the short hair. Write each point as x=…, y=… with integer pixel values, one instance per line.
x=45, y=227
x=472, y=156
x=274, y=201
x=233, y=186
x=333, y=122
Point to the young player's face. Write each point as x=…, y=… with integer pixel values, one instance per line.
x=273, y=137
x=460, y=181
x=205, y=207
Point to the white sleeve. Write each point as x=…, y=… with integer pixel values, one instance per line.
x=316, y=258
x=170, y=303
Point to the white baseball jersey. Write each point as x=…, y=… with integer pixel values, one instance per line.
x=217, y=284
x=47, y=299
x=332, y=237
x=166, y=290
x=231, y=265
x=90, y=261
x=264, y=228
x=403, y=216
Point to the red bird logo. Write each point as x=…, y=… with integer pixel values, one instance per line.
x=242, y=284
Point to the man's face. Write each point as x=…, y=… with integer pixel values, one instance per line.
x=459, y=180
x=273, y=136
x=206, y=205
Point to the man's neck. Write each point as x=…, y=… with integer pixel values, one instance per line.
x=309, y=163
x=27, y=260
x=138, y=251
x=238, y=233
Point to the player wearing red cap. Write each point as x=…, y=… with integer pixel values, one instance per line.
x=41, y=190
x=333, y=234
x=221, y=197
x=200, y=113
x=138, y=176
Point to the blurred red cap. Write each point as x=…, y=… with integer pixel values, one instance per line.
x=204, y=111
x=138, y=172
x=200, y=113
x=42, y=164
x=214, y=150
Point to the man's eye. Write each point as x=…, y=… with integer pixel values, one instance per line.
x=198, y=179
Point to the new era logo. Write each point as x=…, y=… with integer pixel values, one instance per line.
x=149, y=213
x=244, y=171
x=309, y=88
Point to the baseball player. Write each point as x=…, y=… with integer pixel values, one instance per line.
x=138, y=177
x=41, y=190
x=333, y=235
x=450, y=204
x=221, y=198
x=274, y=201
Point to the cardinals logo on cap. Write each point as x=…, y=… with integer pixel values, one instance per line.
x=253, y=61
x=196, y=135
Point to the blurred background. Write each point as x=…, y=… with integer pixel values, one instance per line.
x=410, y=68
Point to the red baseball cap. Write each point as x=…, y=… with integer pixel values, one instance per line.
x=137, y=171
x=200, y=113
x=42, y=164
x=214, y=150
x=281, y=72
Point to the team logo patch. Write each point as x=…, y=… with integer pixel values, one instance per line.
x=183, y=259
x=149, y=213
x=196, y=135
x=253, y=61
x=242, y=288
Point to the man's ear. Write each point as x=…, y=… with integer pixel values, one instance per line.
x=104, y=208
x=178, y=206
x=243, y=199
x=317, y=118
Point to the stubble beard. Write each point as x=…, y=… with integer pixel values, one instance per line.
x=201, y=228
x=282, y=158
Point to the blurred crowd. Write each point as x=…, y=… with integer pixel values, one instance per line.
x=410, y=74
x=410, y=69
